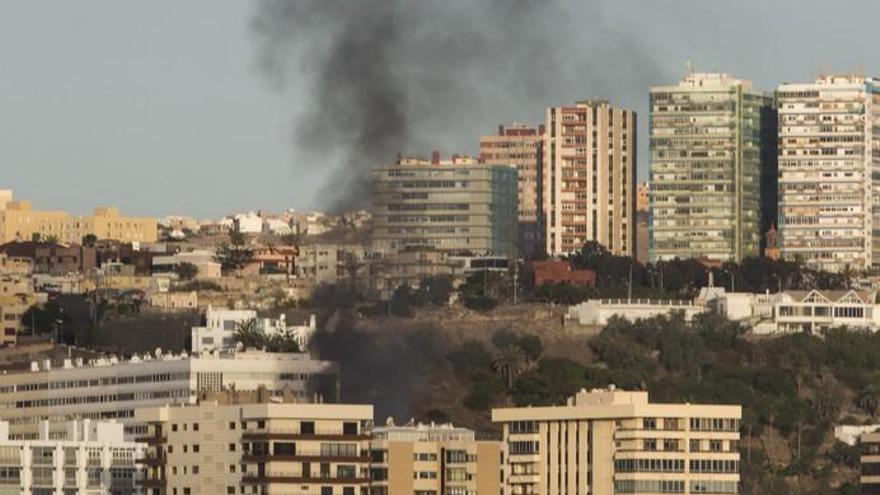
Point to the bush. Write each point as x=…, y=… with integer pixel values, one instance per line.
x=480, y=303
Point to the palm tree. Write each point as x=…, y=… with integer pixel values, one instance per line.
x=249, y=334
x=509, y=364
x=869, y=399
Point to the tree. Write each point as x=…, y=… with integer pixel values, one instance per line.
x=402, y=301
x=236, y=254
x=869, y=399
x=249, y=334
x=43, y=318
x=509, y=363
x=89, y=240
x=435, y=290
x=186, y=271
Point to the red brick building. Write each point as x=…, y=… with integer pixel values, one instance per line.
x=561, y=272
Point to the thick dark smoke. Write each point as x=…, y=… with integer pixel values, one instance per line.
x=386, y=76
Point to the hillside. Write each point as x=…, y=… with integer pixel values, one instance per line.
x=456, y=364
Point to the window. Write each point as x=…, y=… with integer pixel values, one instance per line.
x=195, y=427
x=230, y=490
x=232, y=468
x=232, y=425
x=307, y=427
x=349, y=428
x=232, y=447
x=196, y=448
x=195, y=469
x=174, y=427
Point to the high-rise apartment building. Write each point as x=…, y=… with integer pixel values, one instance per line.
x=829, y=160
x=606, y=442
x=109, y=388
x=433, y=459
x=456, y=206
x=88, y=457
x=18, y=221
x=589, y=191
x=709, y=139
x=522, y=146
x=220, y=446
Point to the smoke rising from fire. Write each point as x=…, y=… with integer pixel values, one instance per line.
x=386, y=76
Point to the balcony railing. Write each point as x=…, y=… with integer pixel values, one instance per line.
x=297, y=478
x=296, y=433
x=307, y=455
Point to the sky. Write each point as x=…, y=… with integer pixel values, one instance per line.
x=158, y=107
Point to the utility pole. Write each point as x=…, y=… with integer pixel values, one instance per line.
x=629, y=295
x=515, y=279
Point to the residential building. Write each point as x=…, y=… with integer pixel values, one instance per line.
x=709, y=139
x=523, y=147
x=597, y=312
x=12, y=309
x=203, y=259
x=829, y=192
x=437, y=459
x=217, y=333
x=110, y=388
x=870, y=464
x=851, y=434
x=18, y=221
x=590, y=178
x=410, y=267
x=642, y=194
x=175, y=300
x=15, y=275
x=607, y=441
x=330, y=262
x=273, y=260
x=457, y=205
x=85, y=457
x=220, y=446
x=816, y=311
x=53, y=258
x=561, y=272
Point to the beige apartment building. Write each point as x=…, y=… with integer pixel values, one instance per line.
x=829, y=154
x=605, y=442
x=870, y=464
x=19, y=221
x=523, y=147
x=589, y=179
x=433, y=459
x=457, y=205
x=220, y=446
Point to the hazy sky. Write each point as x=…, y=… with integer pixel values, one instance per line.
x=157, y=107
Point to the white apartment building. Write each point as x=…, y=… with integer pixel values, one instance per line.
x=816, y=311
x=218, y=331
x=605, y=442
x=110, y=388
x=85, y=458
x=829, y=154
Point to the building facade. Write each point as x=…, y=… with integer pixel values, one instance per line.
x=18, y=221
x=709, y=139
x=522, y=146
x=870, y=464
x=433, y=459
x=590, y=178
x=89, y=458
x=606, y=442
x=217, y=448
x=457, y=205
x=109, y=388
x=218, y=331
x=829, y=189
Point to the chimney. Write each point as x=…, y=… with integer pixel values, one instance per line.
x=435, y=157
x=500, y=130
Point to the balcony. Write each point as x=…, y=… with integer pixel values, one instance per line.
x=299, y=479
x=152, y=439
x=282, y=434
x=306, y=456
x=152, y=459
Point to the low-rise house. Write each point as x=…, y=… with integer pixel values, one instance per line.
x=218, y=330
x=597, y=312
x=815, y=311
x=561, y=272
x=203, y=259
x=175, y=300
x=12, y=308
x=87, y=457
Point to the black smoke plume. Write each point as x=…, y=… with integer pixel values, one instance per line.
x=378, y=77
